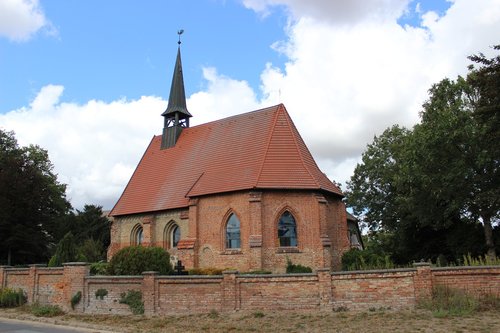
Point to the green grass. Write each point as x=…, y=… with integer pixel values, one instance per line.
x=46, y=310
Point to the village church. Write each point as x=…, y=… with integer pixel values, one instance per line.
x=241, y=193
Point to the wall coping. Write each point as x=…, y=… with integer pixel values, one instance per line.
x=76, y=263
x=114, y=277
x=377, y=271
x=189, y=277
x=464, y=268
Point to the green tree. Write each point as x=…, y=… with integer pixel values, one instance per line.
x=430, y=186
x=66, y=251
x=31, y=201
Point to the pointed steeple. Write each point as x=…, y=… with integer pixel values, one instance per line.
x=176, y=115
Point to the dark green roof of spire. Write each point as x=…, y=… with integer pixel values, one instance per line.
x=177, y=98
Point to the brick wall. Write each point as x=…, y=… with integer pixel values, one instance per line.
x=320, y=291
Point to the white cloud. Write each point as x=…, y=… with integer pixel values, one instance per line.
x=343, y=84
x=20, y=19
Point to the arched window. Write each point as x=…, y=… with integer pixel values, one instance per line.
x=172, y=235
x=233, y=232
x=136, y=236
x=287, y=230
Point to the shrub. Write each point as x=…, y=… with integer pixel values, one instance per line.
x=65, y=251
x=356, y=259
x=295, y=268
x=133, y=298
x=100, y=293
x=134, y=260
x=76, y=299
x=99, y=268
x=46, y=310
x=481, y=261
x=10, y=298
x=206, y=271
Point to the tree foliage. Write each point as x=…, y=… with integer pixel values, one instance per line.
x=31, y=201
x=134, y=260
x=437, y=185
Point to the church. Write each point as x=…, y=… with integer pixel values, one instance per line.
x=239, y=193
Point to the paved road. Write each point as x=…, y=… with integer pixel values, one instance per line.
x=19, y=326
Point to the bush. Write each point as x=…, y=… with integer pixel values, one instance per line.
x=10, y=298
x=46, y=310
x=99, y=268
x=133, y=298
x=206, y=271
x=293, y=268
x=65, y=251
x=134, y=260
x=355, y=259
x=76, y=299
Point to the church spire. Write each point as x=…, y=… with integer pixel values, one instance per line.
x=176, y=115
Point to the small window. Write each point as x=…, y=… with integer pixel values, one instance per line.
x=176, y=236
x=136, y=237
x=172, y=235
x=287, y=230
x=233, y=232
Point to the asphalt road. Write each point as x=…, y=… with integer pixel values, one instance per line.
x=19, y=326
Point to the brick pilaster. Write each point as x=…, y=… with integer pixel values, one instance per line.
x=149, y=294
x=255, y=239
x=229, y=291
x=325, y=241
x=325, y=289
x=3, y=276
x=33, y=283
x=74, y=274
x=422, y=281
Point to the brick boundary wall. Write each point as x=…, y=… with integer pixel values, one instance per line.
x=320, y=291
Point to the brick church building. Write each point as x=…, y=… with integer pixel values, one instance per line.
x=242, y=192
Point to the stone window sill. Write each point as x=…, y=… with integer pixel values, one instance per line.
x=291, y=249
x=232, y=251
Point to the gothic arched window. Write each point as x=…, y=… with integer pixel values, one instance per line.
x=136, y=236
x=287, y=230
x=172, y=235
x=233, y=232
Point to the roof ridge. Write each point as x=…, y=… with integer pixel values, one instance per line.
x=268, y=143
x=299, y=151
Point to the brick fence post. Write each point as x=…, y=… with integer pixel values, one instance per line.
x=3, y=276
x=149, y=294
x=422, y=281
x=325, y=289
x=74, y=274
x=32, y=291
x=229, y=292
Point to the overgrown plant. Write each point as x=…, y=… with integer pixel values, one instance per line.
x=10, y=298
x=354, y=260
x=133, y=298
x=100, y=293
x=46, y=310
x=76, y=299
x=296, y=268
x=446, y=302
x=481, y=261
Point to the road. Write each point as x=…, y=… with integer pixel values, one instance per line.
x=19, y=326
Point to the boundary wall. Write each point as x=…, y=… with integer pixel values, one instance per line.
x=231, y=291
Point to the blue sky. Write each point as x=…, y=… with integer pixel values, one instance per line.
x=88, y=80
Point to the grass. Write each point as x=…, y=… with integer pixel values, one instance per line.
x=40, y=310
x=404, y=321
x=446, y=302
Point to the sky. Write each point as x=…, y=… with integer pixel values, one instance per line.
x=88, y=80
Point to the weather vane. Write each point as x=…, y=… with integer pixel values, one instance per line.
x=180, y=32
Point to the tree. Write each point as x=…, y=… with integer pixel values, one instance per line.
x=436, y=183
x=66, y=251
x=31, y=201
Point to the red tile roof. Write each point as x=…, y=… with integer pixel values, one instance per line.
x=260, y=149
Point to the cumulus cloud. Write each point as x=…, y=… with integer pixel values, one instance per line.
x=20, y=19
x=342, y=84
x=345, y=83
x=95, y=146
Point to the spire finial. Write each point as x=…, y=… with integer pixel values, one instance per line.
x=180, y=32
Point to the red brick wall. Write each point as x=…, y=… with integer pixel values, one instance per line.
x=323, y=290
